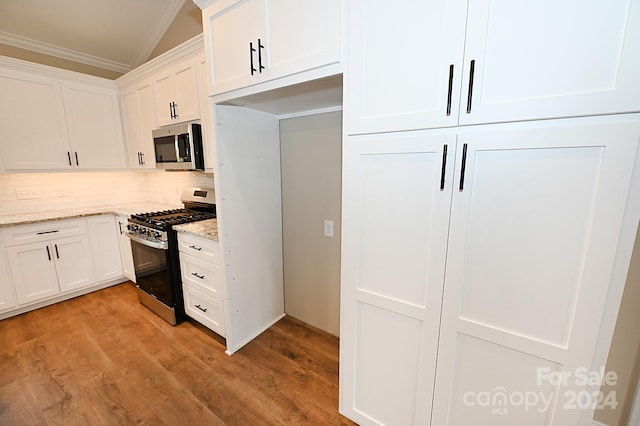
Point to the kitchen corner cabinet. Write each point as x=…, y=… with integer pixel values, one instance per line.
x=457, y=62
x=495, y=259
x=176, y=93
x=253, y=41
x=139, y=116
x=202, y=284
x=105, y=247
x=56, y=124
x=126, y=254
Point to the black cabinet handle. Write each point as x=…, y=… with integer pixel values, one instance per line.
x=57, y=254
x=77, y=163
x=47, y=232
x=48, y=253
x=201, y=308
x=69, y=157
x=142, y=158
x=196, y=248
x=444, y=167
x=450, y=90
x=463, y=166
x=175, y=110
x=197, y=276
x=260, y=47
x=472, y=68
x=139, y=159
x=120, y=227
x=251, y=50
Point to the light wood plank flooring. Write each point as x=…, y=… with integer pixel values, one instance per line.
x=104, y=359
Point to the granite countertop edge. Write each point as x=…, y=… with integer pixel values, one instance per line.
x=203, y=228
x=120, y=209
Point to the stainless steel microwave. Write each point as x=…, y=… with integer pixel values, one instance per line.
x=179, y=147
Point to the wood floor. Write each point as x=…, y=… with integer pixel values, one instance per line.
x=104, y=359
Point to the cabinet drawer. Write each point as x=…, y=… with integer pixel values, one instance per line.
x=199, y=247
x=45, y=231
x=200, y=274
x=204, y=309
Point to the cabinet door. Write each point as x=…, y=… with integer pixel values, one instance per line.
x=551, y=58
x=176, y=93
x=396, y=205
x=407, y=77
x=33, y=271
x=105, y=248
x=232, y=28
x=7, y=295
x=34, y=130
x=73, y=261
x=126, y=255
x=532, y=244
x=302, y=35
x=95, y=130
x=139, y=120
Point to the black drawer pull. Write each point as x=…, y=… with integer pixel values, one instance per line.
x=201, y=308
x=195, y=274
x=48, y=253
x=196, y=248
x=47, y=232
x=69, y=157
x=444, y=167
x=463, y=167
x=57, y=254
x=450, y=90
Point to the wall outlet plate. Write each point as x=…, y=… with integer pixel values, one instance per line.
x=328, y=228
x=26, y=193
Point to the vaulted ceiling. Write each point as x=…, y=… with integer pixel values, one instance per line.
x=108, y=36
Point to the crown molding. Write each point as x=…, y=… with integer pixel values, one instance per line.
x=203, y=3
x=60, y=52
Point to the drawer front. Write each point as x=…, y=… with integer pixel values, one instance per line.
x=202, y=275
x=44, y=231
x=204, y=309
x=199, y=247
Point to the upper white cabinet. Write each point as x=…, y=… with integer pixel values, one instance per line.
x=53, y=123
x=95, y=130
x=252, y=41
x=176, y=93
x=456, y=62
x=33, y=121
x=139, y=115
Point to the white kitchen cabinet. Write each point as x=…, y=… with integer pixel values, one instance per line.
x=253, y=41
x=500, y=263
x=452, y=63
x=176, y=93
x=126, y=255
x=33, y=121
x=95, y=130
x=202, y=283
x=7, y=294
x=33, y=271
x=73, y=261
x=57, y=120
x=139, y=115
x=105, y=247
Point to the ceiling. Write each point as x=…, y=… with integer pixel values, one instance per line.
x=114, y=35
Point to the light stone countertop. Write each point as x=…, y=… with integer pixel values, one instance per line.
x=125, y=209
x=203, y=228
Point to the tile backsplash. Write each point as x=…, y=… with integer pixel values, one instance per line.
x=32, y=192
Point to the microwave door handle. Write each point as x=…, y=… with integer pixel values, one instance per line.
x=177, y=145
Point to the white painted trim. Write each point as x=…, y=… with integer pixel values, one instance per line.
x=60, y=52
x=158, y=32
x=204, y=3
x=595, y=423
x=310, y=112
x=634, y=418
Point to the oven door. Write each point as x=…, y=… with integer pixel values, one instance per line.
x=151, y=262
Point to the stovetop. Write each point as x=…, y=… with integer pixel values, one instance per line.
x=164, y=220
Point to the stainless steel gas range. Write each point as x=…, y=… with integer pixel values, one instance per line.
x=154, y=244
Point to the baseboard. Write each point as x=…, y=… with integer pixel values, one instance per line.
x=595, y=423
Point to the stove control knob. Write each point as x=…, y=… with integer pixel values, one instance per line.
x=143, y=231
x=157, y=234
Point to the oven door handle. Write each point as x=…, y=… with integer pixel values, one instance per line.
x=153, y=244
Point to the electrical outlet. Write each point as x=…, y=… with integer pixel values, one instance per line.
x=26, y=194
x=328, y=228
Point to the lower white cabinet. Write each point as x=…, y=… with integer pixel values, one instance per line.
x=105, y=247
x=202, y=285
x=7, y=293
x=474, y=258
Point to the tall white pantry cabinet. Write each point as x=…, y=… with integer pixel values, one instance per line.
x=491, y=196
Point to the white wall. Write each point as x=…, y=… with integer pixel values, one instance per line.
x=311, y=192
x=79, y=189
